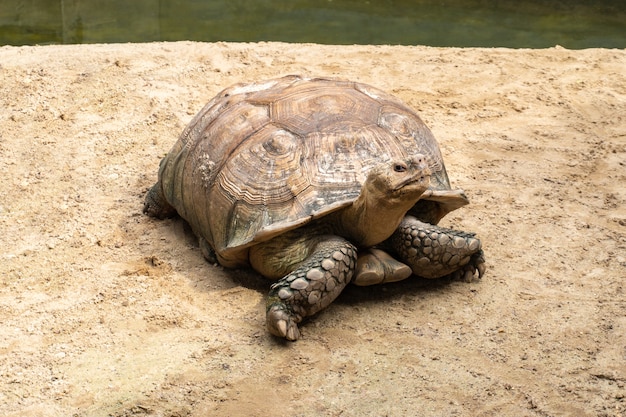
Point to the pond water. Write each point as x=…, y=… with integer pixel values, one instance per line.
x=573, y=24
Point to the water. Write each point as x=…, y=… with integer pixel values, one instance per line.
x=573, y=24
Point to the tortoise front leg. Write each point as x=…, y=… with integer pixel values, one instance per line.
x=432, y=251
x=309, y=288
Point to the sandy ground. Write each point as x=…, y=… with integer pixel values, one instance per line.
x=105, y=312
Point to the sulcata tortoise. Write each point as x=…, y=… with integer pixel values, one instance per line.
x=314, y=183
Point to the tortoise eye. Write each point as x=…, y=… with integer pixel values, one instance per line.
x=399, y=167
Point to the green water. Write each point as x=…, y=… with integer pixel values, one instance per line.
x=573, y=24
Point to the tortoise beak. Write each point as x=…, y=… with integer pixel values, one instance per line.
x=419, y=180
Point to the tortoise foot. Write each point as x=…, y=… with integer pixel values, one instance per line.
x=282, y=323
x=155, y=204
x=474, y=270
x=376, y=266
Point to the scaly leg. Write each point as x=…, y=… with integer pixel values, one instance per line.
x=432, y=251
x=155, y=204
x=309, y=288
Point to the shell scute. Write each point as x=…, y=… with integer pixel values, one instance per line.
x=300, y=112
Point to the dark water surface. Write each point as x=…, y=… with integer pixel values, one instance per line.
x=573, y=24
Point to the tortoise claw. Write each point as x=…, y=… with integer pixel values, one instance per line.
x=481, y=266
x=476, y=266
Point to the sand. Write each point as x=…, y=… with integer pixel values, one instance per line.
x=106, y=312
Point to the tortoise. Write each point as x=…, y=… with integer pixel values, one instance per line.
x=315, y=184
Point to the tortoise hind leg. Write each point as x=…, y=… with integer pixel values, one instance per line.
x=155, y=204
x=432, y=251
x=316, y=281
x=376, y=266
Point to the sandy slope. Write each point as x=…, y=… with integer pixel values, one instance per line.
x=106, y=312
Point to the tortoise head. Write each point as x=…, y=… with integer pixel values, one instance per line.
x=398, y=182
x=389, y=191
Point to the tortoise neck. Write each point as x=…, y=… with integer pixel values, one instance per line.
x=371, y=220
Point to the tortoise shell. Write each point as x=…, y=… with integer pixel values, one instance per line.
x=264, y=158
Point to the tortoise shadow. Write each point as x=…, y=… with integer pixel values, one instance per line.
x=352, y=295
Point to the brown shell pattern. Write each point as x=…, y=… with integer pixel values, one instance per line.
x=263, y=158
